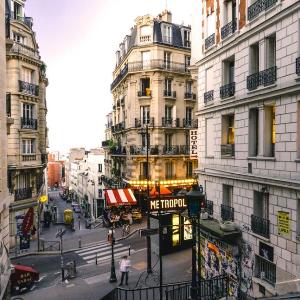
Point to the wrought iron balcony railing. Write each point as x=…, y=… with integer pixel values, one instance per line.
x=257, y=7
x=208, y=96
x=144, y=122
x=138, y=150
x=228, y=29
x=265, y=269
x=227, y=150
x=227, y=90
x=28, y=88
x=171, y=94
x=298, y=66
x=265, y=77
x=190, y=96
x=28, y=157
x=260, y=226
x=28, y=123
x=120, y=77
x=23, y=193
x=190, y=123
x=210, y=41
x=170, y=122
x=118, y=150
x=146, y=93
x=160, y=150
x=227, y=213
x=118, y=127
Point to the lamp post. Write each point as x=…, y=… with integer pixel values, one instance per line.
x=42, y=199
x=60, y=234
x=113, y=277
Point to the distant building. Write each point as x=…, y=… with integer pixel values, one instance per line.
x=56, y=171
x=26, y=110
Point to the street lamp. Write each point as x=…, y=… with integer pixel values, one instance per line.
x=195, y=198
x=42, y=199
x=113, y=277
x=60, y=234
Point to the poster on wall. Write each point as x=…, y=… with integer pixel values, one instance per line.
x=193, y=143
x=283, y=223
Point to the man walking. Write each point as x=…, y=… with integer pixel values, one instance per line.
x=124, y=268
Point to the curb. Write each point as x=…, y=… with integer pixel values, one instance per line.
x=71, y=250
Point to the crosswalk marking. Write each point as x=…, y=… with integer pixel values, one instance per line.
x=103, y=252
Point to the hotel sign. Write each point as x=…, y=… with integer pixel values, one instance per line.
x=193, y=143
x=167, y=203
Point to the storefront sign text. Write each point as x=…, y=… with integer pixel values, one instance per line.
x=193, y=144
x=167, y=203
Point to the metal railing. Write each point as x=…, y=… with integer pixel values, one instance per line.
x=213, y=289
x=118, y=127
x=208, y=96
x=298, y=66
x=265, y=269
x=210, y=41
x=227, y=90
x=160, y=150
x=265, y=77
x=257, y=7
x=171, y=94
x=228, y=29
x=25, y=50
x=227, y=150
x=120, y=150
x=166, y=122
x=190, y=123
x=260, y=226
x=190, y=96
x=29, y=88
x=119, y=77
x=23, y=193
x=140, y=123
x=29, y=157
x=227, y=213
x=146, y=93
x=28, y=123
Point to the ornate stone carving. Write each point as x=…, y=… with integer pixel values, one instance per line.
x=144, y=20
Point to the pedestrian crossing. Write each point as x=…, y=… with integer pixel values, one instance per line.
x=103, y=252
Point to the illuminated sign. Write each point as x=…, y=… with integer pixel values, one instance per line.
x=167, y=203
x=193, y=143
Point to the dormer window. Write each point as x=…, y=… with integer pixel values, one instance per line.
x=17, y=11
x=167, y=34
x=145, y=34
x=187, y=38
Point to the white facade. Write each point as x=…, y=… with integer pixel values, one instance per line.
x=249, y=132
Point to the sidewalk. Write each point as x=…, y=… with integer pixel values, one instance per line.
x=93, y=282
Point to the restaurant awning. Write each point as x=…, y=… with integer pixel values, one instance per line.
x=117, y=197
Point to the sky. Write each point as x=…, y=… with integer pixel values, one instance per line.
x=77, y=40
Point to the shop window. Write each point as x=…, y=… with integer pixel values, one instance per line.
x=175, y=230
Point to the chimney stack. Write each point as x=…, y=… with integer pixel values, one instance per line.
x=166, y=16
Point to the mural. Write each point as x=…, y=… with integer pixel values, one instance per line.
x=218, y=258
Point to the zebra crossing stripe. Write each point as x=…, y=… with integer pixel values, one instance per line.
x=99, y=246
x=98, y=250
x=99, y=254
x=116, y=255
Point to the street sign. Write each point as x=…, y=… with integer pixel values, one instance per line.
x=148, y=231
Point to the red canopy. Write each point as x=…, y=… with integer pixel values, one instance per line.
x=25, y=269
x=117, y=197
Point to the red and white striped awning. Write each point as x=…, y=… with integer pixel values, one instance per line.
x=119, y=197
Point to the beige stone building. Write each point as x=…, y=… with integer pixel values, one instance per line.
x=26, y=108
x=152, y=88
x=5, y=198
x=246, y=56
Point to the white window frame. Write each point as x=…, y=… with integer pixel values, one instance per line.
x=28, y=146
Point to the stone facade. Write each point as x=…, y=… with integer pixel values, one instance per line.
x=26, y=109
x=152, y=88
x=249, y=101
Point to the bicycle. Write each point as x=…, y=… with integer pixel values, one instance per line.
x=126, y=229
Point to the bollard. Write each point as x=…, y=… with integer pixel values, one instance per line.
x=128, y=250
x=79, y=242
x=96, y=258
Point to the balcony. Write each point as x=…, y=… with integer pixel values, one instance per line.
x=227, y=150
x=265, y=77
x=138, y=150
x=208, y=96
x=119, y=77
x=265, y=269
x=19, y=48
x=228, y=29
x=174, y=123
x=227, y=213
x=28, y=88
x=24, y=193
x=158, y=64
x=28, y=157
x=119, y=150
x=171, y=94
x=260, y=226
x=141, y=123
x=189, y=96
x=118, y=127
x=176, y=150
x=145, y=39
x=210, y=41
x=257, y=7
x=28, y=123
x=145, y=93
x=298, y=66
x=190, y=123
x=227, y=90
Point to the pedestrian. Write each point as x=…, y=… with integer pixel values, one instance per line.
x=124, y=268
